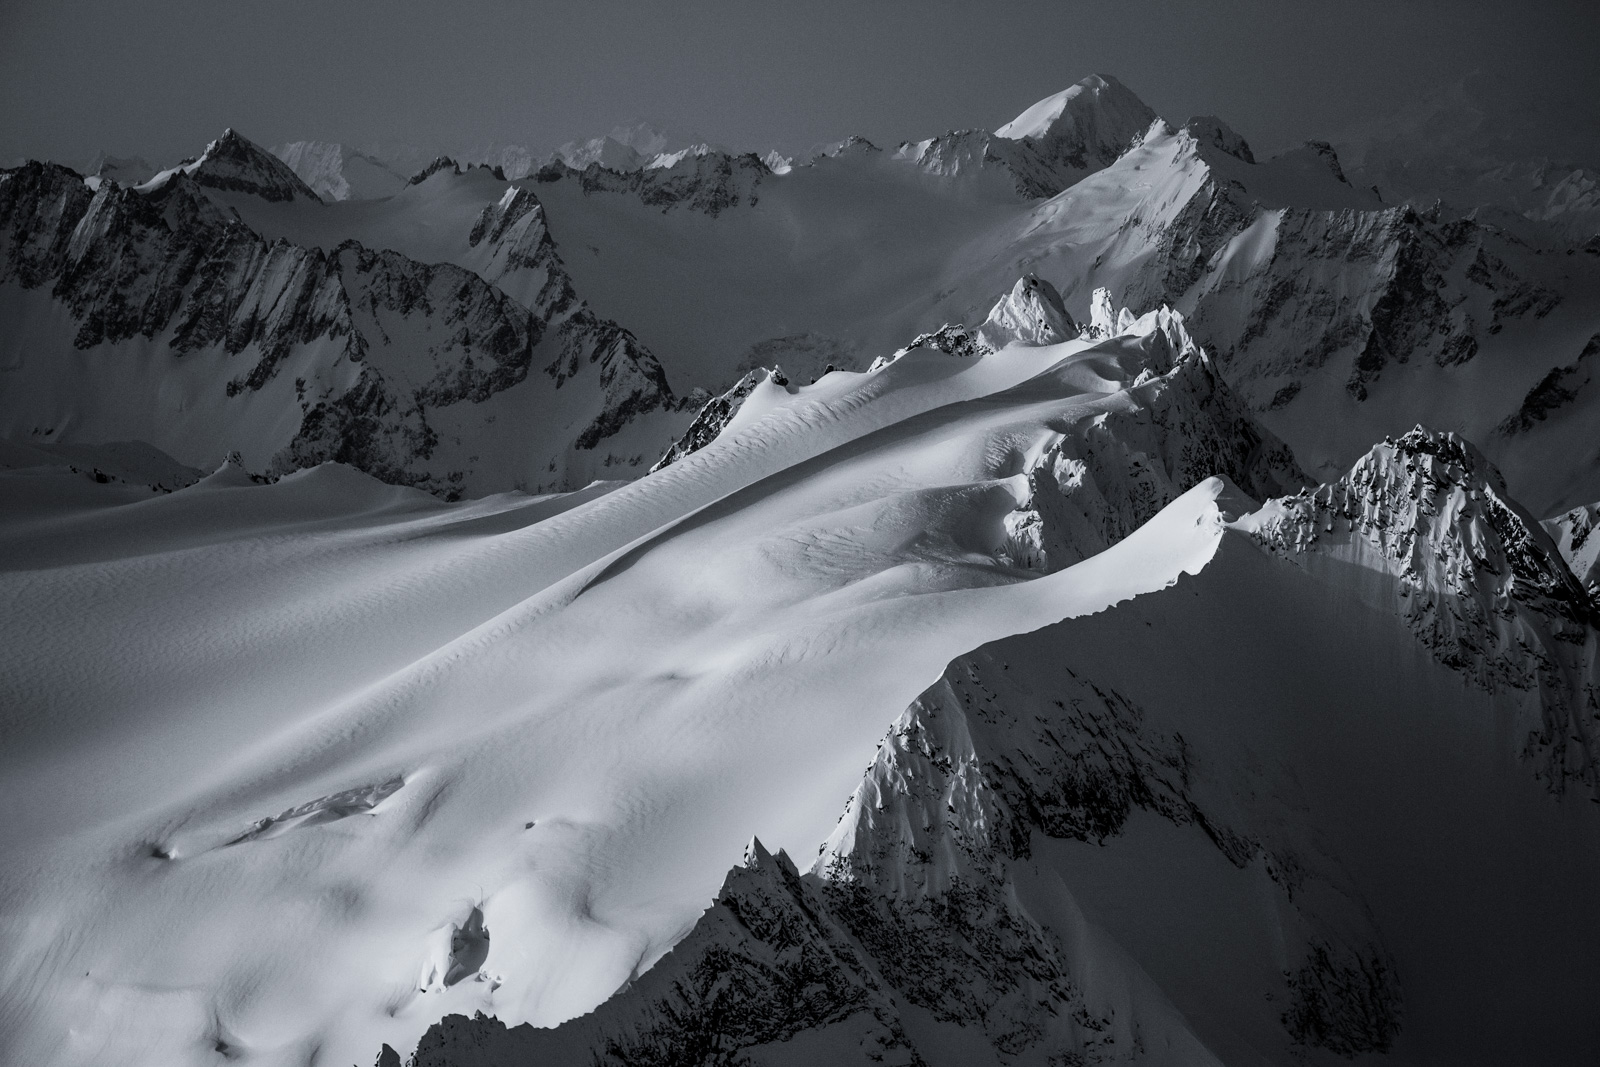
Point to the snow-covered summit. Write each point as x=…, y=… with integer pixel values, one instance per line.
x=235, y=164
x=1031, y=314
x=1094, y=119
x=1047, y=148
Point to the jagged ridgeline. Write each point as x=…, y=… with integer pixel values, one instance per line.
x=452, y=379
x=944, y=909
x=305, y=330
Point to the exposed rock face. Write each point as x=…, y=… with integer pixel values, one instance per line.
x=1480, y=583
x=916, y=889
x=236, y=165
x=953, y=339
x=1287, y=273
x=764, y=964
x=440, y=163
x=913, y=902
x=1378, y=287
x=522, y=261
x=919, y=871
x=385, y=350
x=1178, y=425
x=131, y=265
x=717, y=413
x=1573, y=533
x=1555, y=392
x=710, y=182
x=1003, y=751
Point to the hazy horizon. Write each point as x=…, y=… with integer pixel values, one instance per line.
x=502, y=71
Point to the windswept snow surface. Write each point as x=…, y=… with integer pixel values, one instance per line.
x=523, y=738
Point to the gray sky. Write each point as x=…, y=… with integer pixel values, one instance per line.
x=161, y=78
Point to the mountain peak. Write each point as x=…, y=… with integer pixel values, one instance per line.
x=234, y=163
x=1210, y=130
x=1481, y=584
x=1031, y=314
x=1096, y=104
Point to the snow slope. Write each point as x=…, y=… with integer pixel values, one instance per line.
x=1187, y=760
x=1252, y=818
x=632, y=687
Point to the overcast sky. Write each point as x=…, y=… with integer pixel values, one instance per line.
x=160, y=78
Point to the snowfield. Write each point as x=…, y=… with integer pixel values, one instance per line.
x=633, y=687
x=674, y=607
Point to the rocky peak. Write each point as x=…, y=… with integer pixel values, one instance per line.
x=1431, y=503
x=439, y=163
x=233, y=163
x=1574, y=535
x=1478, y=581
x=717, y=412
x=1031, y=314
x=1174, y=424
x=1105, y=320
x=1212, y=131
x=709, y=182
x=923, y=815
x=953, y=339
x=40, y=204
x=495, y=219
x=854, y=145
x=764, y=963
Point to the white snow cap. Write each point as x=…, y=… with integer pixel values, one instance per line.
x=1099, y=104
x=1102, y=316
x=1031, y=314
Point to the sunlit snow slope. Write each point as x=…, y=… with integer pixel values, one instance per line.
x=557, y=719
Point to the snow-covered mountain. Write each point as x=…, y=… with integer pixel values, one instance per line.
x=949, y=908
x=1339, y=317
x=1049, y=146
x=986, y=601
x=235, y=165
x=435, y=375
x=338, y=172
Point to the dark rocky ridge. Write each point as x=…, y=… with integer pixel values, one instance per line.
x=397, y=339
x=1480, y=583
